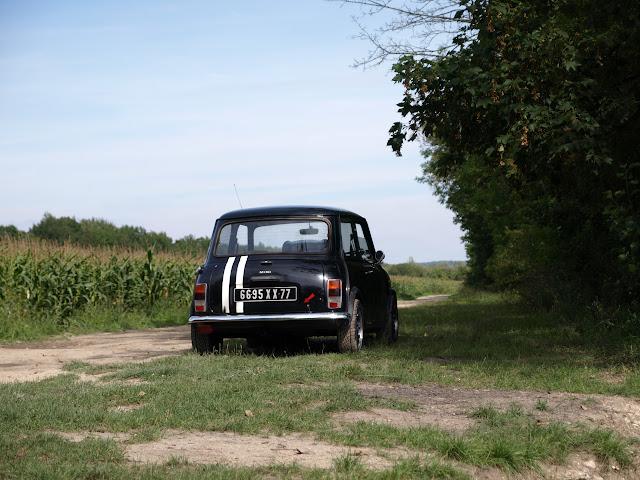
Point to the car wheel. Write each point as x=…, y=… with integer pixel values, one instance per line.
x=389, y=333
x=204, y=343
x=350, y=336
x=254, y=343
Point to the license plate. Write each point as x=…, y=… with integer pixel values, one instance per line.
x=266, y=294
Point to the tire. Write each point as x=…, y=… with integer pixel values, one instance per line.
x=389, y=333
x=351, y=336
x=205, y=343
x=254, y=343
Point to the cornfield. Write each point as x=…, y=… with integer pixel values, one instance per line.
x=47, y=288
x=42, y=277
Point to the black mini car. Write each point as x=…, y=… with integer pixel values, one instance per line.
x=292, y=272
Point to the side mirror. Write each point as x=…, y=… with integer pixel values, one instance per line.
x=379, y=256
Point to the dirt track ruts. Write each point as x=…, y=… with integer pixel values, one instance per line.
x=35, y=361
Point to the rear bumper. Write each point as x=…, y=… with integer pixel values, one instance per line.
x=300, y=324
x=330, y=317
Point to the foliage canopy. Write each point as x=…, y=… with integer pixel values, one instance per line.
x=531, y=117
x=102, y=233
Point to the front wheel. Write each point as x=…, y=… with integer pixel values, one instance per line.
x=350, y=336
x=389, y=333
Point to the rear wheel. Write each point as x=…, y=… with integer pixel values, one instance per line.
x=205, y=343
x=350, y=336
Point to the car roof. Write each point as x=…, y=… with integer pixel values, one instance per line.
x=293, y=210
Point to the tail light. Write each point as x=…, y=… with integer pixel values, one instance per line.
x=200, y=297
x=334, y=293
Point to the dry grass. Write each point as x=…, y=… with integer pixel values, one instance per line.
x=38, y=249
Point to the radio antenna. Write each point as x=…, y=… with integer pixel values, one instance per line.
x=234, y=187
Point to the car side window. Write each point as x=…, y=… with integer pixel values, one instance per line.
x=364, y=248
x=355, y=241
x=348, y=240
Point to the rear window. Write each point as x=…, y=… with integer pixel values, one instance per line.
x=273, y=236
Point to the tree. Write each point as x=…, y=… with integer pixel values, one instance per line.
x=419, y=28
x=531, y=113
x=194, y=246
x=59, y=229
x=100, y=232
x=97, y=231
x=11, y=231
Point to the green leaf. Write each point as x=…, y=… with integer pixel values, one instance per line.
x=484, y=102
x=572, y=65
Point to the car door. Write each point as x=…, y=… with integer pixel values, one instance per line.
x=364, y=272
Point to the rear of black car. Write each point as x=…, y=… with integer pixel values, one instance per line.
x=270, y=273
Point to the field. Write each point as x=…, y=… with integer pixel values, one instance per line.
x=476, y=387
x=48, y=289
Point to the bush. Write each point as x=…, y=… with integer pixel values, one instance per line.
x=526, y=263
x=440, y=270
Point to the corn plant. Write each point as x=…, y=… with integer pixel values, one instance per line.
x=48, y=278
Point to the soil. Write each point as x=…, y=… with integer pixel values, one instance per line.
x=35, y=361
x=448, y=408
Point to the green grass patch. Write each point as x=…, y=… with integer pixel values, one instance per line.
x=510, y=440
x=490, y=343
x=27, y=326
x=481, y=340
x=47, y=456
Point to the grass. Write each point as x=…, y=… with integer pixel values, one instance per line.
x=27, y=327
x=486, y=342
x=493, y=344
x=409, y=288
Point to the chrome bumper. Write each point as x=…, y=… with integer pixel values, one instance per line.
x=330, y=316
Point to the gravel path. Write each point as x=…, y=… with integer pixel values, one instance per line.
x=421, y=301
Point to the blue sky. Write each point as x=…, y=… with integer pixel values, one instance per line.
x=148, y=113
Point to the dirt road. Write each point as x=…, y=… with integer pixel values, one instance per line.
x=35, y=361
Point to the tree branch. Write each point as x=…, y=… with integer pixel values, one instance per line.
x=413, y=26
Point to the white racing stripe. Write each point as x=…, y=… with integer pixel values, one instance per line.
x=240, y=281
x=226, y=281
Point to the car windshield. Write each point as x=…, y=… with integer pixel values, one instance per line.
x=273, y=236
